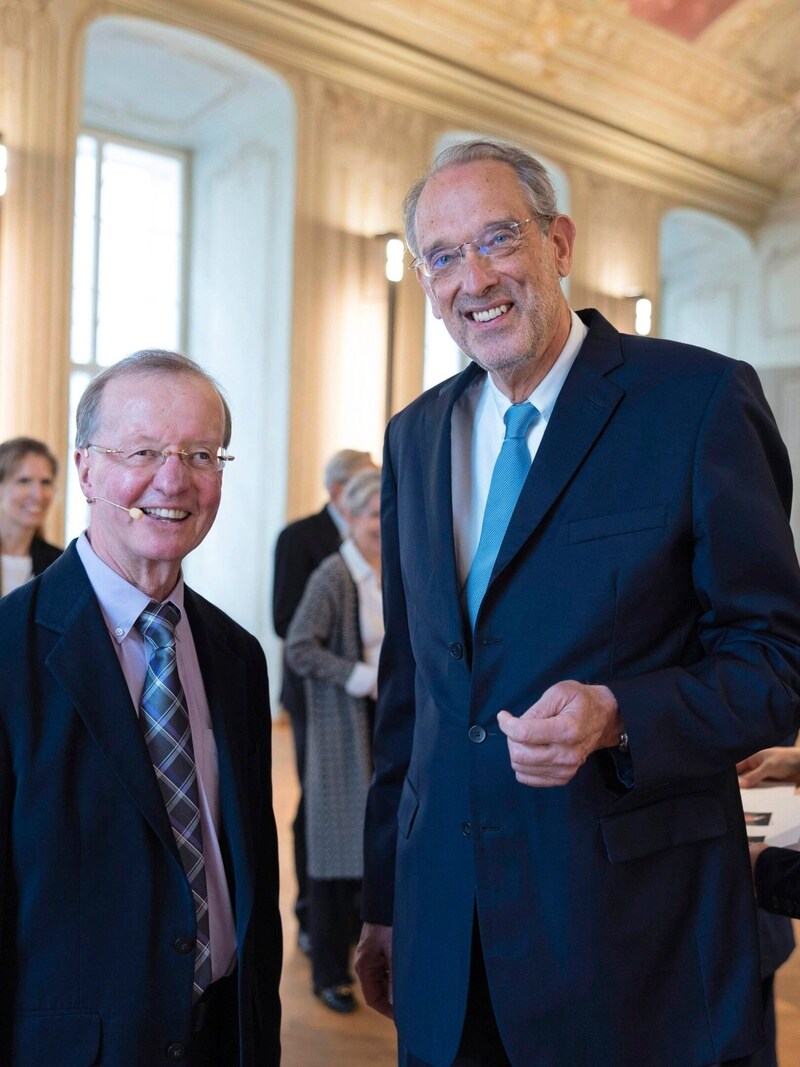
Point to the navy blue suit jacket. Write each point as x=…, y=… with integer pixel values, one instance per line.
x=650, y=551
x=93, y=898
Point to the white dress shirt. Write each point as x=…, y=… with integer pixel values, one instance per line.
x=476, y=436
x=363, y=679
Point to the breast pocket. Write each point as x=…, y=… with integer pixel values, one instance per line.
x=621, y=522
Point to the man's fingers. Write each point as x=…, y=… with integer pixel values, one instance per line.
x=528, y=730
x=372, y=964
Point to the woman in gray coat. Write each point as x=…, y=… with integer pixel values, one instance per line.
x=333, y=643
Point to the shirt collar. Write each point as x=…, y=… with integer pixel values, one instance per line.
x=545, y=394
x=360, y=570
x=120, y=602
x=340, y=522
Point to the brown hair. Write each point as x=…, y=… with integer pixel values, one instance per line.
x=13, y=451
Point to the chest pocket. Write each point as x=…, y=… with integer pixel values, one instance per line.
x=623, y=522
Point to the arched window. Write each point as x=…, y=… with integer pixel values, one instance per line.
x=165, y=98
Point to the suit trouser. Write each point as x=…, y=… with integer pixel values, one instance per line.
x=298, y=721
x=215, y=1017
x=333, y=922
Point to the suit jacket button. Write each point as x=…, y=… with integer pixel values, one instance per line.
x=477, y=734
x=466, y=829
x=456, y=650
x=184, y=945
x=176, y=1052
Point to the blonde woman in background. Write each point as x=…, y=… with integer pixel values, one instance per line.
x=333, y=643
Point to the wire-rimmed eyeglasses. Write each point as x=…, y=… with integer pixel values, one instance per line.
x=203, y=460
x=499, y=239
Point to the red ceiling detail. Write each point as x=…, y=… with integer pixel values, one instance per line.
x=686, y=18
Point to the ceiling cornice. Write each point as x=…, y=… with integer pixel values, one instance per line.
x=297, y=35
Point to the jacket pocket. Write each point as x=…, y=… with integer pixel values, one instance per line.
x=673, y=821
x=46, y=1036
x=407, y=808
x=622, y=522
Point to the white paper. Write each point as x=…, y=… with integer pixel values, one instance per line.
x=772, y=814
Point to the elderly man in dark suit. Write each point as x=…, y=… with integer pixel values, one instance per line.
x=299, y=550
x=139, y=915
x=592, y=611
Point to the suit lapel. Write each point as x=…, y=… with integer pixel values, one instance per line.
x=85, y=664
x=224, y=676
x=438, y=487
x=585, y=404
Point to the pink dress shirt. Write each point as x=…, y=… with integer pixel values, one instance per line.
x=121, y=604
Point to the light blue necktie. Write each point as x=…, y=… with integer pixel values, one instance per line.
x=510, y=471
x=165, y=721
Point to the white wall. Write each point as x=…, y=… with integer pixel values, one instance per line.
x=239, y=328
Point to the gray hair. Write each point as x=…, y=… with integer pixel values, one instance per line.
x=533, y=178
x=147, y=361
x=358, y=492
x=343, y=465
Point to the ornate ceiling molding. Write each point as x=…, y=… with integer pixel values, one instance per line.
x=454, y=92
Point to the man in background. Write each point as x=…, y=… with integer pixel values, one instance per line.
x=139, y=917
x=299, y=550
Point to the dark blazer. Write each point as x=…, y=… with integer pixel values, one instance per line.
x=94, y=904
x=777, y=878
x=649, y=551
x=299, y=550
x=43, y=554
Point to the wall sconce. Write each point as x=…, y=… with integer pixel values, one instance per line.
x=395, y=269
x=642, y=312
x=3, y=168
x=643, y=319
x=395, y=254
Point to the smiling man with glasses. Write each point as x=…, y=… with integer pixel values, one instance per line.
x=138, y=857
x=592, y=609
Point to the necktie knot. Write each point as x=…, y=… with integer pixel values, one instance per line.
x=157, y=623
x=518, y=418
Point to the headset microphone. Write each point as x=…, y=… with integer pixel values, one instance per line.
x=135, y=513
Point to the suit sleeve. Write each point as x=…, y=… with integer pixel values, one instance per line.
x=777, y=878
x=6, y=978
x=394, y=717
x=291, y=574
x=266, y=914
x=741, y=693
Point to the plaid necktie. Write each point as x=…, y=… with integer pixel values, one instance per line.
x=165, y=723
x=509, y=474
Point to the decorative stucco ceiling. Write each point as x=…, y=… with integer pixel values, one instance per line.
x=715, y=80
